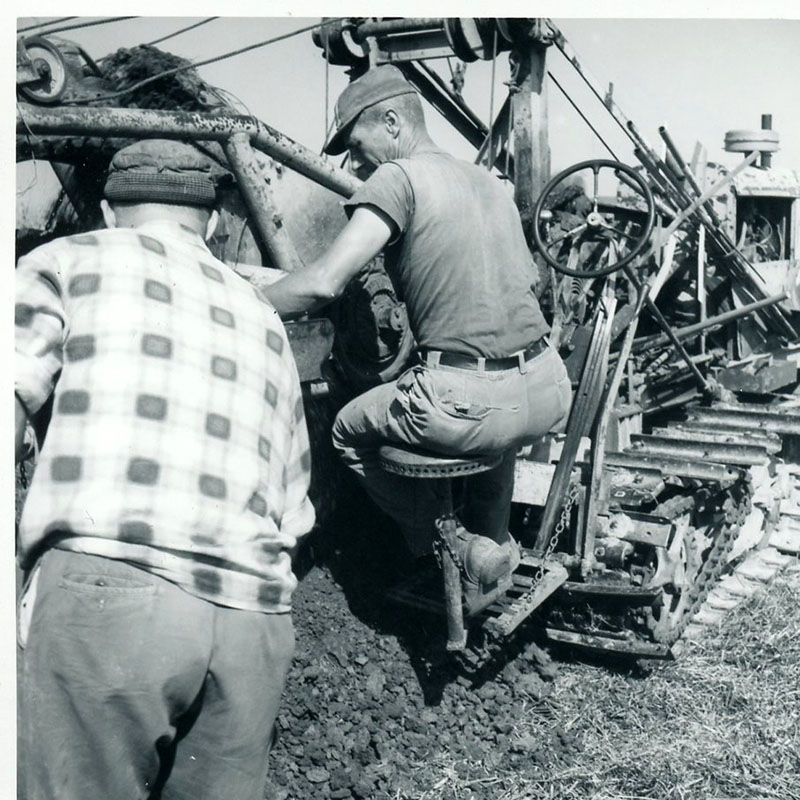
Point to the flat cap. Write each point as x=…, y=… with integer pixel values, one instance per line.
x=161, y=171
x=379, y=83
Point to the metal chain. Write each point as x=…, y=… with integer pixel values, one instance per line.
x=442, y=544
x=561, y=526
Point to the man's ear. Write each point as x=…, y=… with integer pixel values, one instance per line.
x=211, y=226
x=109, y=217
x=392, y=122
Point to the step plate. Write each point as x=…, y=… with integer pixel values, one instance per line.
x=513, y=613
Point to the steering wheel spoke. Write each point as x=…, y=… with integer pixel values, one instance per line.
x=573, y=234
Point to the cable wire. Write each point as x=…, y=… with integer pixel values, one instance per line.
x=327, y=94
x=490, y=134
x=45, y=24
x=194, y=65
x=84, y=24
x=582, y=115
x=182, y=30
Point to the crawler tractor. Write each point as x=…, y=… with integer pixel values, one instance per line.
x=672, y=287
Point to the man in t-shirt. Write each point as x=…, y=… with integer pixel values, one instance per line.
x=486, y=379
x=171, y=488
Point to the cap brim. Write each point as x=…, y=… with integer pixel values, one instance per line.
x=338, y=142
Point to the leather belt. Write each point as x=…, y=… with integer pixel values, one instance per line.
x=433, y=358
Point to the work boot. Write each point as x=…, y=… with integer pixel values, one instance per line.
x=486, y=569
x=514, y=553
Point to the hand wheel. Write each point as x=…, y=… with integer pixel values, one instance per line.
x=580, y=243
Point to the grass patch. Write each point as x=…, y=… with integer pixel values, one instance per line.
x=722, y=722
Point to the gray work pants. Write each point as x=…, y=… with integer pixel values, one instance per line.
x=134, y=688
x=452, y=411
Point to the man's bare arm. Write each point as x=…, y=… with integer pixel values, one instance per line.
x=322, y=281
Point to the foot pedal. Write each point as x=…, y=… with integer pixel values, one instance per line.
x=512, y=612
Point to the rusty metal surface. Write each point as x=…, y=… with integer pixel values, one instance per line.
x=139, y=122
x=759, y=378
x=699, y=431
x=680, y=467
x=722, y=452
x=632, y=487
x=634, y=526
x=776, y=422
x=754, y=182
x=511, y=614
x=633, y=647
x=622, y=591
x=255, y=190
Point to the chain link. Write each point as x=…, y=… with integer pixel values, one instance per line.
x=564, y=519
x=442, y=544
x=561, y=526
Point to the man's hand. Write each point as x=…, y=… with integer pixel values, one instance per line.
x=364, y=236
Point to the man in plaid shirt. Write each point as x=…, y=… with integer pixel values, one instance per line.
x=169, y=494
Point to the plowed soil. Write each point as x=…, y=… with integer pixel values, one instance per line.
x=376, y=708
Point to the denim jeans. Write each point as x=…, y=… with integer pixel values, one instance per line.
x=452, y=411
x=135, y=688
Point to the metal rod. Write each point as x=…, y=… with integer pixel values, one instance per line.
x=402, y=25
x=704, y=198
x=734, y=453
x=766, y=125
x=665, y=326
x=686, y=173
x=449, y=105
x=582, y=414
x=748, y=420
x=701, y=283
x=648, y=342
x=739, y=268
x=191, y=125
x=457, y=100
x=256, y=194
x=446, y=524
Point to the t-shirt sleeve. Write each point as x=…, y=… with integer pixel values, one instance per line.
x=388, y=189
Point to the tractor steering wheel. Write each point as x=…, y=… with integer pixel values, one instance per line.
x=581, y=243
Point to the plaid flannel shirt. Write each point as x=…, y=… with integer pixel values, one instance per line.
x=178, y=440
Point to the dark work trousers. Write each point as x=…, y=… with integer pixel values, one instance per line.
x=452, y=411
x=134, y=688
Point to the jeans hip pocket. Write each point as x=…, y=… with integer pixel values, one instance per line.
x=105, y=591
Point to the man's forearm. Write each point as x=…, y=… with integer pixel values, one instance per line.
x=359, y=242
x=299, y=292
